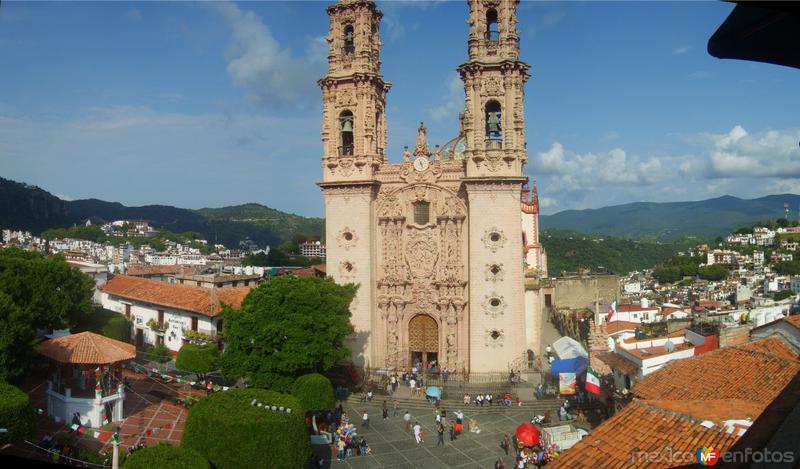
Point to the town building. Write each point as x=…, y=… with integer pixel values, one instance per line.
x=710, y=400
x=161, y=312
x=312, y=249
x=442, y=242
x=218, y=280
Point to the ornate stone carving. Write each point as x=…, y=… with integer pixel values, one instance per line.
x=347, y=270
x=421, y=251
x=494, y=239
x=346, y=166
x=494, y=272
x=492, y=87
x=389, y=207
x=453, y=208
x=494, y=305
x=345, y=98
x=494, y=337
x=347, y=238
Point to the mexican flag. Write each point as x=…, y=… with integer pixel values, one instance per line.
x=612, y=310
x=592, y=381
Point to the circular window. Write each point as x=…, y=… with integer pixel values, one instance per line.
x=495, y=302
x=348, y=266
x=494, y=269
x=495, y=334
x=348, y=236
x=494, y=237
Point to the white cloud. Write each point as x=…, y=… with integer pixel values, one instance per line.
x=547, y=202
x=680, y=50
x=259, y=63
x=453, y=101
x=768, y=154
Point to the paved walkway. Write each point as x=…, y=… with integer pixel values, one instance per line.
x=393, y=447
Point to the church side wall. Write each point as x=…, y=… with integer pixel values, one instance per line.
x=494, y=213
x=349, y=261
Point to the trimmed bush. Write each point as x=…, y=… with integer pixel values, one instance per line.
x=16, y=414
x=314, y=391
x=200, y=359
x=231, y=433
x=159, y=353
x=108, y=323
x=165, y=456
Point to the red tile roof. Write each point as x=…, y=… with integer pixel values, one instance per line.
x=623, y=440
x=617, y=362
x=618, y=326
x=794, y=320
x=756, y=371
x=201, y=300
x=87, y=348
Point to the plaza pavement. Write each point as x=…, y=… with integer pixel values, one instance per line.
x=393, y=447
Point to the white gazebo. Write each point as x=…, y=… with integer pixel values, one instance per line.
x=85, y=377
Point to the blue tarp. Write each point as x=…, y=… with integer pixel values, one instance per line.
x=575, y=365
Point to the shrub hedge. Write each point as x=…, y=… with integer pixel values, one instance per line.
x=160, y=353
x=16, y=414
x=231, y=433
x=108, y=323
x=314, y=391
x=200, y=359
x=164, y=456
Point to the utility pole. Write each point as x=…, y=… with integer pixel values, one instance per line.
x=115, y=454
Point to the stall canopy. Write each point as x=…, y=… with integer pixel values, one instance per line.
x=760, y=31
x=575, y=365
x=567, y=347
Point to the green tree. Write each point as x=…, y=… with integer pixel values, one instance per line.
x=199, y=359
x=260, y=260
x=314, y=391
x=667, y=274
x=788, y=267
x=713, y=272
x=783, y=294
x=286, y=328
x=108, y=323
x=17, y=334
x=231, y=432
x=52, y=293
x=16, y=414
x=165, y=456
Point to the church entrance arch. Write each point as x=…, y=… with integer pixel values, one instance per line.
x=423, y=339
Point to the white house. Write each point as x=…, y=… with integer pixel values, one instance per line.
x=170, y=309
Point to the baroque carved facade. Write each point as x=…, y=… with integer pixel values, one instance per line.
x=439, y=242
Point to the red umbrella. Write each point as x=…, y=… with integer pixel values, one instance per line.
x=528, y=434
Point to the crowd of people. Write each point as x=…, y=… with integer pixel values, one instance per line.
x=487, y=399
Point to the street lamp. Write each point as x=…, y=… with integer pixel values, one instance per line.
x=115, y=454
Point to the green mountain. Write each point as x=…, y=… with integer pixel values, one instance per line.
x=569, y=251
x=705, y=219
x=30, y=208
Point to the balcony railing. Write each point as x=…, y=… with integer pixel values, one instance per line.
x=346, y=150
x=493, y=144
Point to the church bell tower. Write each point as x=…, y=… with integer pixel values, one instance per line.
x=353, y=142
x=494, y=127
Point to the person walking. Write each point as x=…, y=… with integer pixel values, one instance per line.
x=395, y=407
x=365, y=420
x=452, y=432
x=506, y=443
x=418, y=433
x=440, y=435
x=385, y=411
x=499, y=464
x=341, y=445
x=407, y=420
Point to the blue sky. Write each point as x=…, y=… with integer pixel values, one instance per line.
x=213, y=104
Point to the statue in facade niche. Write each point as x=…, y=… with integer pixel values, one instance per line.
x=406, y=155
x=422, y=145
